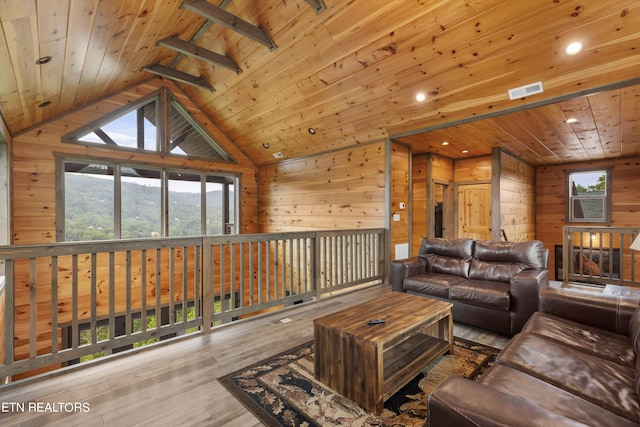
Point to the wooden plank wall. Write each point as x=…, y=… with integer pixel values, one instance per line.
x=400, y=161
x=475, y=169
x=517, y=198
x=551, y=199
x=419, y=211
x=442, y=168
x=339, y=190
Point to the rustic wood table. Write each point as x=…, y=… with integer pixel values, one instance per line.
x=369, y=363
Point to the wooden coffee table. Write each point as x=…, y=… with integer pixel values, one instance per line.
x=369, y=363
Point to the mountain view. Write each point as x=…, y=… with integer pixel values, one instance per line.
x=89, y=208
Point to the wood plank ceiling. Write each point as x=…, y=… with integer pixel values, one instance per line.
x=350, y=72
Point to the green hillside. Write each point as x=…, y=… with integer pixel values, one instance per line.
x=89, y=210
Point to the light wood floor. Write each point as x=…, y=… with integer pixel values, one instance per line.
x=175, y=384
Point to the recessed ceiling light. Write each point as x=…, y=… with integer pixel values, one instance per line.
x=465, y=151
x=445, y=143
x=420, y=97
x=43, y=60
x=571, y=120
x=312, y=131
x=265, y=145
x=574, y=48
x=44, y=104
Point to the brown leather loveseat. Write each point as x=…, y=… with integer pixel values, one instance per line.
x=493, y=285
x=574, y=363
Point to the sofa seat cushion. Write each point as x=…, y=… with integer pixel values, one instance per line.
x=433, y=284
x=599, y=342
x=513, y=382
x=600, y=381
x=483, y=293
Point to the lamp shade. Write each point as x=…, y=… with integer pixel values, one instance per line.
x=636, y=244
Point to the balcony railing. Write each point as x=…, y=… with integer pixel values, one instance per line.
x=600, y=255
x=65, y=302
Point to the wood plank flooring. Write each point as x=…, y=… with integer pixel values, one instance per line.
x=174, y=384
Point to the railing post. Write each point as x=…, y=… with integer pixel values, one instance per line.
x=207, y=286
x=9, y=307
x=315, y=265
x=566, y=248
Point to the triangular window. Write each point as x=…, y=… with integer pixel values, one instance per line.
x=136, y=127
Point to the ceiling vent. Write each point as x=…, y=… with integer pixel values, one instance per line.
x=523, y=91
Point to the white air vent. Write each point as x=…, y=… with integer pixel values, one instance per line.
x=278, y=155
x=522, y=91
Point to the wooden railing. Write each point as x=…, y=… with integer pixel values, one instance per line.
x=64, y=302
x=600, y=255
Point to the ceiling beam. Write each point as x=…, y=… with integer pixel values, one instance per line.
x=317, y=5
x=222, y=17
x=199, y=53
x=180, y=76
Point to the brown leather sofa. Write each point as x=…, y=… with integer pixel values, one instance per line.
x=574, y=363
x=493, y=285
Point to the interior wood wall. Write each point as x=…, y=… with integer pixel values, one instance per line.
x=419, y=211
x=400, y=193
x=343, y=189
x=551, y=199
x=517, y=198
x=473, y=170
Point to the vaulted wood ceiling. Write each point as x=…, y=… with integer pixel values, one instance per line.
x=351, y=72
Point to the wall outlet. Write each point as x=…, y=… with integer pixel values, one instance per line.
x=396, y=217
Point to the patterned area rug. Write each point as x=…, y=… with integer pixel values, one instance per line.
x=282, y=391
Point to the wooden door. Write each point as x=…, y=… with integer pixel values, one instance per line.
x=474, y=211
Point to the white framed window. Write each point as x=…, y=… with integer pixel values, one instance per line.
x=589, y=195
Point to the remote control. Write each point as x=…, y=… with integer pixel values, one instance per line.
x=376, y=321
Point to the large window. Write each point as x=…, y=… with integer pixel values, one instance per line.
x=589, y=195
x=110, y=201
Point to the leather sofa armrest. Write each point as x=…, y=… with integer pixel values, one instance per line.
x=407, y=267
x=461, y=402
x=590, y=307
x=525, y=289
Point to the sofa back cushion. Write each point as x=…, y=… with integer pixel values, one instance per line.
x=493, y=271
x=447, y=256
x=500, y=261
